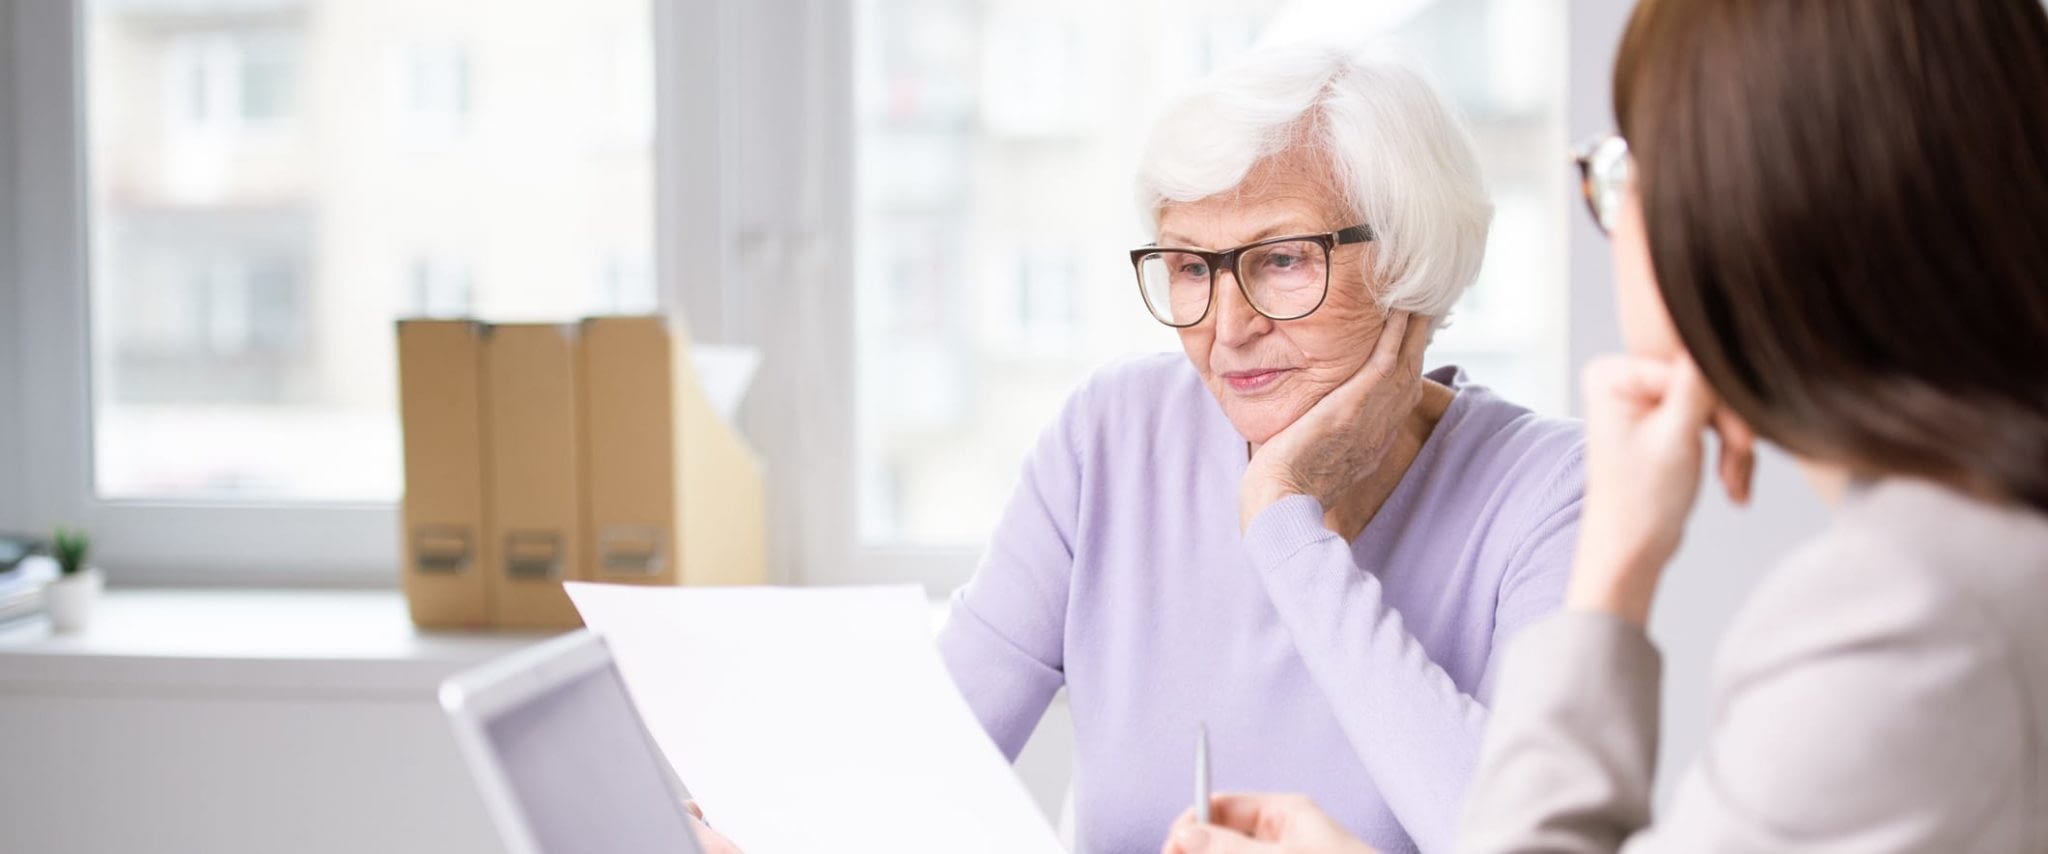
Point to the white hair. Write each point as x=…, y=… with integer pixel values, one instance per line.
x=1405, y=162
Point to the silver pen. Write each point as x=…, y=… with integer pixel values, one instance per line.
x=1201, y=772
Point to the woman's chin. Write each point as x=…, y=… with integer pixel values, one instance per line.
x=1259, y=424
x=1259, y=416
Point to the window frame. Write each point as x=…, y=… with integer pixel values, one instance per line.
x=13, y=456
x=778, y=248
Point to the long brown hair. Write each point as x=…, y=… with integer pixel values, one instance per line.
x=1846, y=203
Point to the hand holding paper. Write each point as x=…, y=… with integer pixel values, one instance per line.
x=805, y=719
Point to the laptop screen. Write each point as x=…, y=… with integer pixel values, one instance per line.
x=588, y=779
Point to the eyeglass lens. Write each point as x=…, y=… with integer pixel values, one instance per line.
x=1283, y=281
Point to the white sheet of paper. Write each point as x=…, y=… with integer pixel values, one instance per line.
x=814, y=719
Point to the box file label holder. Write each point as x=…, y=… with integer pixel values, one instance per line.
x=441, y=549
x=533, y=555
x=635, y=550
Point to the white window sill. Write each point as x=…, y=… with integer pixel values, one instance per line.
x=294, y=642
x=326, y=642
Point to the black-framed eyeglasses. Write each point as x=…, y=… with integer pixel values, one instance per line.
x=1604, y=169
x=1283, y=278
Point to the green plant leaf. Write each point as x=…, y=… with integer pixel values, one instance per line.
x=70, y=546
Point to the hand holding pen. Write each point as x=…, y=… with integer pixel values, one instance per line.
x=1253, y=824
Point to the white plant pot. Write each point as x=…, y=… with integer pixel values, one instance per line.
x=70, y=599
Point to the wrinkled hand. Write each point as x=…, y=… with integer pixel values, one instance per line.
x=1262, y=824
x=710, y=840
x=1344, y=437
x=1644, y=452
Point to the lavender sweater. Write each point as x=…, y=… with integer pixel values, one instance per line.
x=1356, y=672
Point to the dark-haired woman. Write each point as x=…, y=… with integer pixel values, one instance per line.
x=1830, y=224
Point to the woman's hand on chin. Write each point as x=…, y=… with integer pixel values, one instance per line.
x=1344, y=437
x=1644, y=451
x=1261, y=824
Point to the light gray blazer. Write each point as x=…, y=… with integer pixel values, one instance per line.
x=1885, y=689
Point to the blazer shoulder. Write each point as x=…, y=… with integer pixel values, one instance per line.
x=1893, y=575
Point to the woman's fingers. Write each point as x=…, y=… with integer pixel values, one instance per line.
x=1263, y=824
x=1637, y=382
x=1688, y=401
x=711, y=840
x=1172, y=845
x=1234, y=824
x=1209, y=839
x=1348, y=431
x=1414, y=340
x=1386, y=364
x=1644, y=420
x=1673, y=390
x=1404, y=335
x=1396, y=358
x=1388, y=353
x=708, y=839
x=1241, y=812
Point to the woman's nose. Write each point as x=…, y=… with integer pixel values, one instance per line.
x=1236, y=320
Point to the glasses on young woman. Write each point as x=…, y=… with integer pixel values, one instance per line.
x=1283, y=278
x=1604, y=167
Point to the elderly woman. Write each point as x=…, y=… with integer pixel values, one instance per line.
x=1291, y=535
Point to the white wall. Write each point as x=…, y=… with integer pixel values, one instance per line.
x=1727, y=549
x=207, y=770
x=10, y=352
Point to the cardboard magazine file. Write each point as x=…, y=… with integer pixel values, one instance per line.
x=444, y=511
x=536, y=522
x=674, y=494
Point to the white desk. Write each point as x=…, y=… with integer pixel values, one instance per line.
x=220, y=721
x=216, y=721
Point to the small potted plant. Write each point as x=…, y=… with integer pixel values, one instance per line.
x=69, y=600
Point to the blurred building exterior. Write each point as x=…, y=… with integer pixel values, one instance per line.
x=274, y=181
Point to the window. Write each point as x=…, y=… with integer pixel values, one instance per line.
x=929, y=250
x=259, y=214
x=433, y=92
x=226, y=82
x=996, y=146
x=442, y=287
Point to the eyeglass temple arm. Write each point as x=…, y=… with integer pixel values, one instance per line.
x=1354, y=234
x=1340, y=237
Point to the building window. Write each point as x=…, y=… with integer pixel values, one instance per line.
x=434, y=92
x=996, y=147
x=442, y=287
x=254, y=233
x=230, y=82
